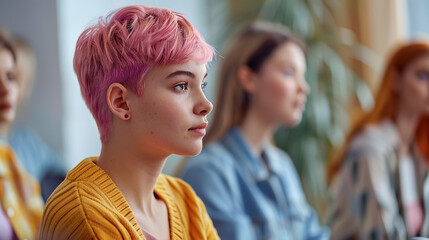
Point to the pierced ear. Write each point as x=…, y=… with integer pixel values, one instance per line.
x=247, y=78
x=117, y=99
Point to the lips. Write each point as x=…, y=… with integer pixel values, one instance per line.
x=200, y=129
x=300, y=105
x=5, y=106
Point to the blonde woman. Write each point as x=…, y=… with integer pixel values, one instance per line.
x=250, y=187
x=21, y=204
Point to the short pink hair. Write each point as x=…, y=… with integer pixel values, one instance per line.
x=122, y=47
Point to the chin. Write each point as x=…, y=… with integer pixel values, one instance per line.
x=190, y=151
x=6, y=119
x=292, y=122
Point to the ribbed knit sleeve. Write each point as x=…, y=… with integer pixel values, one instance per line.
x=87, y=205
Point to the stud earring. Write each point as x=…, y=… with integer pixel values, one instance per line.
x=126, y=116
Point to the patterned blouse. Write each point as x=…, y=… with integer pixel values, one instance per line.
x=366, y=195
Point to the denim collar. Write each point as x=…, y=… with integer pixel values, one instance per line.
x=238, y=145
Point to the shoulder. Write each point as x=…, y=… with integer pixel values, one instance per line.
x=376, y=138
x=280, y=155
x=23, y=131
x=284, y=167
x=370, y=159
x=374, y=148
x=214, y=157
x=66, y=211
x=76, y=210
x=22, y=135
x=77, y=193
x=281, y=163
x=213, y=169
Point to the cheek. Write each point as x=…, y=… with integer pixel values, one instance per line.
x=166, y=114
x=282, y=91
x=276, y=98
x=172, y=110
x=13, y=92
x=416, y=91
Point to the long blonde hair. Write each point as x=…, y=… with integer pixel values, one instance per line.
x=386, y=104
x=249, y=47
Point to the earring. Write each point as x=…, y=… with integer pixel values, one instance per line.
x=126, y=116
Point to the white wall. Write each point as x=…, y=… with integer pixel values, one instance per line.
x=418, y=18
x=36, y=21
x=56, y=110
x=81, y=138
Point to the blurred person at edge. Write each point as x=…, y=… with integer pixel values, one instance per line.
x=379, y=181
x=250, y=187
x=35, y=155
x=21, y=204
x=142, y=74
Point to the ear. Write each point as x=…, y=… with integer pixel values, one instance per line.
x=117, y=99
x=247, y=78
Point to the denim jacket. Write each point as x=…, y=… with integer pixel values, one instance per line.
x=248, y=198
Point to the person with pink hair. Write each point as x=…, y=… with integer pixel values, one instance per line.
x=142, y=73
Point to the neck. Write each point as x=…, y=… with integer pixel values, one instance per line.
x=257, y=130
x=406, y=123
x=4, y=129
x=134, y=171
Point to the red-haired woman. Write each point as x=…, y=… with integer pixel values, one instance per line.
x=380, y=181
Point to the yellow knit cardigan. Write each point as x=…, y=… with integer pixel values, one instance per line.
x=88, y=205
x=19, y=195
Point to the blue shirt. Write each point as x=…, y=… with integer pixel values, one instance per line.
x=248, y=198
x=37, y=158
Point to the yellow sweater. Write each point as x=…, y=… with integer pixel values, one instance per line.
x=88, y=205
x=19, y=195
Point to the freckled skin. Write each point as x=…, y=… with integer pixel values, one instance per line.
x=163, y=116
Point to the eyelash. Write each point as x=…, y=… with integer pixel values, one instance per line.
x=184, y=86
x=11, y=77
x=289, y=72
x=181, y=87
x=203, y=85
x=422, y=76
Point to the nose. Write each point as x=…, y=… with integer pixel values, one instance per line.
x=304, y=87
x=4, y=90
x=203, y=106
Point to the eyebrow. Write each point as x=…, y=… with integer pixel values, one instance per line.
x=186, y=73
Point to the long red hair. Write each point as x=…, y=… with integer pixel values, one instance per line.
x=386, y=104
